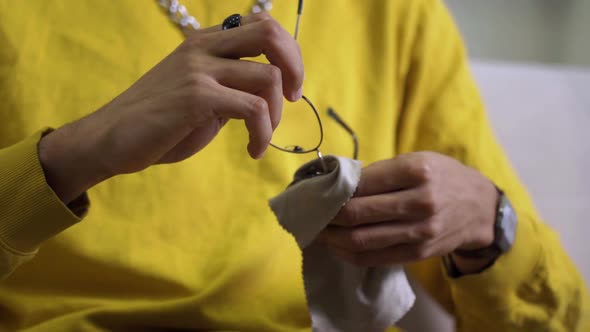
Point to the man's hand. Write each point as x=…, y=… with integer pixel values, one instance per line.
x=179, y=106
x=413, y=207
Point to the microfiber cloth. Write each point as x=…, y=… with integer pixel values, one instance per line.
x=340, y=296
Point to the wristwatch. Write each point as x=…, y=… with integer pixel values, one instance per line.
x=504, y=235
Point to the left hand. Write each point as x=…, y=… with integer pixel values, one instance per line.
x=415, y=206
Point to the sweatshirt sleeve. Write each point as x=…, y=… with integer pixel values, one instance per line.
x=533, y=287
x=30, y=212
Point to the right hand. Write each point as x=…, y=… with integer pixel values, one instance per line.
x=179, y=106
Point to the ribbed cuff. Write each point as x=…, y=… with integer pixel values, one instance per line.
x=495, y=287
x=30, y=211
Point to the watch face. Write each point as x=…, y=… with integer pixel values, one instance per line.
x=506, y=226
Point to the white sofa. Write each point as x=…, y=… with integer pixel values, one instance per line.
x=541, y=115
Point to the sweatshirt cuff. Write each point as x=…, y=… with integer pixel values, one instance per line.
x=31, y=211
x=495, y=288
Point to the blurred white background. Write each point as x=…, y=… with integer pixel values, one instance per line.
x=531, y=59
x=547, y=31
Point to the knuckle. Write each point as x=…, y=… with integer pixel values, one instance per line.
x=429, y=230
x=193, y=80
x=420, y=168
x=350, y=214
x=258, y=106
x=194, y=42
x=195, y=67
x=400, y=209
x=196, y=81
x=271, y=30
x=273, y=74
x=427, y=202
x=357, y=241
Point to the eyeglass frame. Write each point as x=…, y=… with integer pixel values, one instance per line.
x=297, y=149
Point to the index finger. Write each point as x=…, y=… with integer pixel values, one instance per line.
x=263, y=36
x=401, y=205
x=402, y=172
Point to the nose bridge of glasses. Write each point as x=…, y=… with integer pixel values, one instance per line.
x=322, y=161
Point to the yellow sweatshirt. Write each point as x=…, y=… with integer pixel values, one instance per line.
x=194, y=245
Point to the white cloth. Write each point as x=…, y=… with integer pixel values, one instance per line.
x=340, y=296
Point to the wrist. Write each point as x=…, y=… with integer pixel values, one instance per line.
x=483, y=231
x=67, y=163
x=479, y=255
x=466, y=258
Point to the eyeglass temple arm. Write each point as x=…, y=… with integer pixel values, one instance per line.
x=299, y=13
x=343, y=124
x=331, y=111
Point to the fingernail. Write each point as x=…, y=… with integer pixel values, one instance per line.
x=299, y=93
x=253, y=154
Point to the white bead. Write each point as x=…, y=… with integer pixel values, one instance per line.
x=180, y=14
x=182, y=10
x=174, y=7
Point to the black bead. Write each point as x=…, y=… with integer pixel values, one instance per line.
x=232, y=21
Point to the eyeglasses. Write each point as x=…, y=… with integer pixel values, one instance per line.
x=298, y=149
